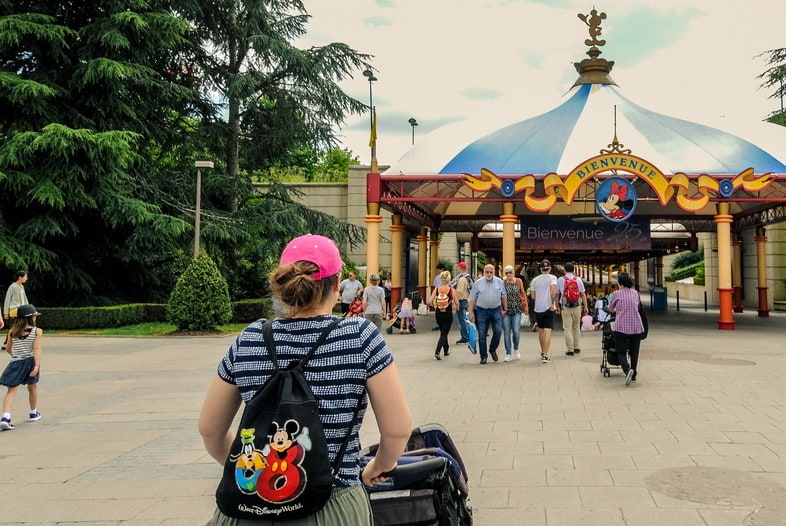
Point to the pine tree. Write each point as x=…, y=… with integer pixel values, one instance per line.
x=277, y=96
x=89, y=90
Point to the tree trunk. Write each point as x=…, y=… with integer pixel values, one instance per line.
x=233, y=166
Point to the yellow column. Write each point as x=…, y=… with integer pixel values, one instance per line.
x=761, y=271
x=397, y=230
x=373, y=221
x=736, y=274
x=433, y=261
x=422, y=262
x=508, y=220
x=723, y=219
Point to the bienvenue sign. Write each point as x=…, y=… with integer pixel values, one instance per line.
x=552, y=233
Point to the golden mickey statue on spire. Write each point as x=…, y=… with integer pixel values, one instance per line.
x=593, y=21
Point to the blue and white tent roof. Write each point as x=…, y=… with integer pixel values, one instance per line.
x=582, y=124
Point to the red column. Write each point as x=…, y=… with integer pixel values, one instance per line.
x=736, y=274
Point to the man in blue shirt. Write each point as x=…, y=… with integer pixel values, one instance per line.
x=488, y=303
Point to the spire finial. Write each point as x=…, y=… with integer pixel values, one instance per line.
x=593, y=20
x=594, y=70
x=616, y=146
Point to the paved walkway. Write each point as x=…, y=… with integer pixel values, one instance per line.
x=699, y=440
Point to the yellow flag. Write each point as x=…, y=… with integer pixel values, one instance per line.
x=373, y=139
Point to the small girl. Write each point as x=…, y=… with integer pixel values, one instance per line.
x=405, y=316
x=23, y=343
x=356, y=305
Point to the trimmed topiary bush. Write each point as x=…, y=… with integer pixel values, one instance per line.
x=200, y=299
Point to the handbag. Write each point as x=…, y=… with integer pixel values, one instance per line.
x=525, y=319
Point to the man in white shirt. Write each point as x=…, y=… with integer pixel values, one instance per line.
x=545, y=294
x=349, y=289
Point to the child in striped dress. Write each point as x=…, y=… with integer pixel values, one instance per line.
x=23, y=343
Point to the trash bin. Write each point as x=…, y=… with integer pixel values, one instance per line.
x=659, y=298
x=415, y=297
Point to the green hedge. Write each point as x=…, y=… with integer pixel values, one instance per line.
x=69, y=318
x=687, y=272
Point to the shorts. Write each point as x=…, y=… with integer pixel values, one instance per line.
x=346, y=506
x=18, y=372
x=545, y=320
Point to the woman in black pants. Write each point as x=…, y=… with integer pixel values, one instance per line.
x=445, y=302
x=628, y=327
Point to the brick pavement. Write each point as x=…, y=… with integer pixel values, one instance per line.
x=699, y=440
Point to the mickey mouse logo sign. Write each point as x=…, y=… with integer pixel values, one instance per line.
x=616, y=199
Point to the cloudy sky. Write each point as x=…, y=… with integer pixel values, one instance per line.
x=493, y=62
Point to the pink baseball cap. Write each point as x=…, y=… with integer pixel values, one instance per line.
x=461, y=264
x=319, y=250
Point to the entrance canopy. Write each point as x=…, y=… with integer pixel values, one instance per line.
x=555, y=164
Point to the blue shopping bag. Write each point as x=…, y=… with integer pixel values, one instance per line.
x=473, y=337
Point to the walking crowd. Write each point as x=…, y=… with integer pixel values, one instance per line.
x=503, y=306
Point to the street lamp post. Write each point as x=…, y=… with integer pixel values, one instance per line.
x=413, y=122
x=373, y=133
x=371, y=78
x=199, y=165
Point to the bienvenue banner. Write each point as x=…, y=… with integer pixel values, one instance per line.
x=558, y=233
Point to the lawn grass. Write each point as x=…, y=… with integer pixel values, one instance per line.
x=150, y=329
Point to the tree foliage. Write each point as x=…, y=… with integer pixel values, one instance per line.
x=106, y=106
x=84, y=95
x=277, y=97
x=774, y=77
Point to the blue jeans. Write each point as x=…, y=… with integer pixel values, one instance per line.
x=512, y=328
x=484, y=317
x=461, y=318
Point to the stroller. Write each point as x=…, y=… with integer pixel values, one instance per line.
x=429, y=485
x=395, y=322
x=609, y=355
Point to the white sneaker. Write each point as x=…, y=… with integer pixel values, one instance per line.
x=507, y=357
x=517, y=355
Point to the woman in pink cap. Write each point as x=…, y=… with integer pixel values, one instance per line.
x=354, y=359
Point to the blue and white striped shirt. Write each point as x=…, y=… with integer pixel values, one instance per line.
x=337, y=372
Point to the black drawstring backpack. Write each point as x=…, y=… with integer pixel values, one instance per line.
x=278, y=467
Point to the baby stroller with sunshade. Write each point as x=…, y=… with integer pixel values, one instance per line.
x=609, y=354
x=428, y=487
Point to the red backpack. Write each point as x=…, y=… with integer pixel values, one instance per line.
x=570, y=290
